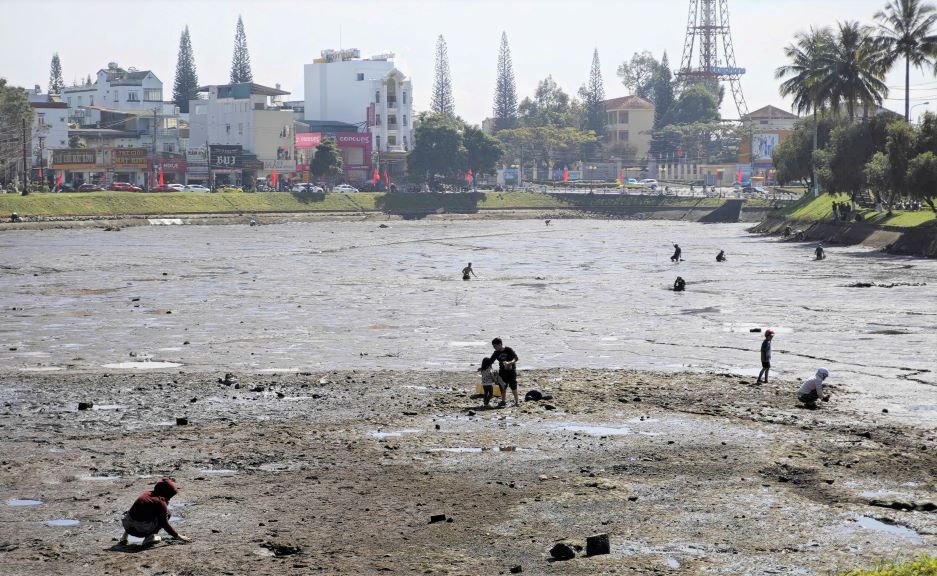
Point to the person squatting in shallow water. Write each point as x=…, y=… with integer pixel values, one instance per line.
x=677, y=251
x=821, y=254
x=467, y=272
x=765, y=356
x=679, y=285
x=812, y=390
x=507, y=369
x=490, y=377
x=721, y=256
x=150, y=514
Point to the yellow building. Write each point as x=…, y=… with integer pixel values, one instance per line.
x=630, y=121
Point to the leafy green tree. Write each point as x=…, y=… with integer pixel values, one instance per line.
x=438, y=150
x=185, y=87
x=327, y=162
x=506, y=89
x=906, y=30
x=482, y=152
x=876, y=173
x=56, y=84
x=696, y=104
x=593, y=98
x=898, y=148
x=638, y=75
x=546, y=146
x=853, y=70
x=927, y=134
x=793, y=158
x=241, y=61
x=663, y=92
x=14, y=111
x=443, y=103
x=922, y=178
x=550, y=106
x=840, y=164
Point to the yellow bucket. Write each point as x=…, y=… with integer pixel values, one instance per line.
x=481, y=391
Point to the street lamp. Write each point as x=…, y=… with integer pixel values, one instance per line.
x=915, y=106
x=591, y=176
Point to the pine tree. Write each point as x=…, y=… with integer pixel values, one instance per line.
x=663, y=92
x=593, y=96
x=506, y=89
x=56, y=84
x=185, y=88
x=442, y=86
x=88, y=81
x=241, y=62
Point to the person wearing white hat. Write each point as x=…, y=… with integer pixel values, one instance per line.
x=812, y=390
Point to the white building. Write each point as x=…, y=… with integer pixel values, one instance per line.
x=369, y=93
x=117, y=89
x=50, y=127
x=245, y=115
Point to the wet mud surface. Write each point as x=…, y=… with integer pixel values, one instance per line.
x=340, y=472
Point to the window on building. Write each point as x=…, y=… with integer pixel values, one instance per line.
x=153, y=95
x=69, y=101
x=227, y=128
x=406, y=146
x=404, y=120
x=92, y=99
x=612, y=117
x=391, y=140
x=622, y=135
x=168, y=147
x=360, y=76
x=133, y=96
x=377, y=141
x=240, y=128
x=391, y=122
x=377, y=96
x=377, y=119
x=404, y=96
x=41, y=119
x=622, y=116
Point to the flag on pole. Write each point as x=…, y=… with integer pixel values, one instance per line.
x=566, y=174
x=468, y=177
x=40, y=172
x=273, y=178
x=375, y=177
x=58, y=181
x=386, y=179
x=161, y=181
x=740, y=175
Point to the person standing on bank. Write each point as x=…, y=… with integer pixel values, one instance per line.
x=507, y=369
x=765, y=356
x=467, y=272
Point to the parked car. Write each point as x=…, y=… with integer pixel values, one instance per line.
x=631, y=182
x=306, y=187
x=124, y=187
x=344, y=188
x=163, y=189
x=196, y=188
x=650, y=183
x=64, y=187
x=90, y=188
x=177, y=187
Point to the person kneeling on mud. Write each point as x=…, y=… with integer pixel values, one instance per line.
x=150, y=514
x=812, y=390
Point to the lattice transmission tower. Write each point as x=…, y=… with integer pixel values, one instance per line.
x=708, y=54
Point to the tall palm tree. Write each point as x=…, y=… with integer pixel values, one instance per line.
x=853, y=69
x=805, y=74
x=906, y=29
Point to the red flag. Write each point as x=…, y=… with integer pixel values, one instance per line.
x=161, y=181
x=469, y=177
x=740, y=175
x=376, y=176
x=40, y=172
x=386, y=178
x=566, y=174
x=58, y=181
x=273, y=177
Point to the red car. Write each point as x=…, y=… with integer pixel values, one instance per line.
x=124, y=187
x=90, y=188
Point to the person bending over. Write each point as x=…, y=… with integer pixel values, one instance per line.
x=150, y=514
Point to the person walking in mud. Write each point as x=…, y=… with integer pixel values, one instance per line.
x=821, y=254
x=507, y=369
x=677, y=251
x=812, y=390
x=765, y=356
x=467, y=272
x=150, y=514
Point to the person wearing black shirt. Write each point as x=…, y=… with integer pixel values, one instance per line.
x=507, y=368
x=676, y=253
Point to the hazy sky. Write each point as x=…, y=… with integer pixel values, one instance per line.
x=546, y=37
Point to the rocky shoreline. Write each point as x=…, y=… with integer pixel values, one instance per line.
x=919, y=241
x=345, y=471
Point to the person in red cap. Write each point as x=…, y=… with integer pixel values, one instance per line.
x=765, y=356
x=150, y=514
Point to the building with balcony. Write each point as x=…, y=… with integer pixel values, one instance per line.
x=630, y=122
x=115, y=88
x=50, y=129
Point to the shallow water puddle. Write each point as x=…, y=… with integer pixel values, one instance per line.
x=393, y=434
x=597, y=430
x=62, y=522
x=883, y=494
x=469, y=450
x=43, y=369
x=672, y=563
x=141, y=365
x=893, y=529
x=23, y=502
x=219, y=471
x=107, y=407
x=98, y=478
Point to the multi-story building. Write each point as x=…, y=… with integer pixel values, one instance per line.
x=368, y=93
x=767, y=127
x=117, y=89
x=246, y=116
x=630, y=122
x=50, y=129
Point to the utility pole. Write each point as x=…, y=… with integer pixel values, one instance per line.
x=42, y=141
x=153, y=157
x=25, y=164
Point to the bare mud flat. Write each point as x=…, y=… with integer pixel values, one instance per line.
x=340, y=473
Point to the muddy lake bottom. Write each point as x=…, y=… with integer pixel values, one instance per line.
x=340, y=472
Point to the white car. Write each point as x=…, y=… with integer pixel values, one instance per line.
x=344, y=188
x=196, y=188
x=179, y=187
x=649, y=182
x=306, y=187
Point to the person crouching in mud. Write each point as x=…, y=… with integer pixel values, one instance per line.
x=467, y=272
x=721, y=256
x=679, y=285
x=821, y=254
x=812, y=390
x=150, y=514
x=507, y=369
x=677, y=251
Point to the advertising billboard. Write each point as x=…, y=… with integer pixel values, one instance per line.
x=126, y=157
x=308, y=139
x=225, y=156
x=763, y=145
x=73, y=158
